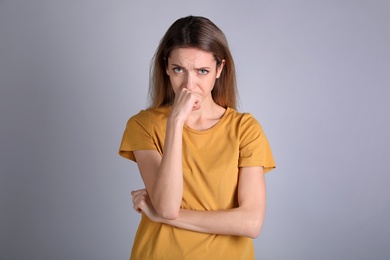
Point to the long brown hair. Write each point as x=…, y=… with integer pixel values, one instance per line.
x=197, y=32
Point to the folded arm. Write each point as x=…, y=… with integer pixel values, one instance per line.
x=245, y=220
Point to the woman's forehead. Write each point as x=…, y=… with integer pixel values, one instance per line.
x=191, y=56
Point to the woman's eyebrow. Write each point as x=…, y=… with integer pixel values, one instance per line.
x=198, y=68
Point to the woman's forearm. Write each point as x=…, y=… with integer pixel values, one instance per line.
x=245, y=220
x=167, y=193
x=235, y=222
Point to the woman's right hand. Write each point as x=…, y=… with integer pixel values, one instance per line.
x=185, y=102
x=142, y=204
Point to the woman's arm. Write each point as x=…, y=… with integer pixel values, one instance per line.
x=163, y=176
x=245, y=220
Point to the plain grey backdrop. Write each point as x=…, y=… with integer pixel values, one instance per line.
x=314, y=73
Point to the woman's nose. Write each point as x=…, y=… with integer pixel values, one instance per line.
x=189, y=82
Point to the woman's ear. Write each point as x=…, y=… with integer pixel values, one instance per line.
x=220, y=68
x=166, y=66
x=167, y=69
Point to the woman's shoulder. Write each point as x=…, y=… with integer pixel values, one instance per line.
x=148, y=119
x=244, y=121
x=240, y=116
x=152, y=114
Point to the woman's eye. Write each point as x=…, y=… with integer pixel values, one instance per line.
x=203, y=71
x=178, y=70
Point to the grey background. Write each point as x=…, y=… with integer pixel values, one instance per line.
x=314, y=73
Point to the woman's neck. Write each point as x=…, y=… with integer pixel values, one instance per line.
x=206, y=117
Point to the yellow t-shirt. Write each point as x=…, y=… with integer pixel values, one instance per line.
x=211, y=161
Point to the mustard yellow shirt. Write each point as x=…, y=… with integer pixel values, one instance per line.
x=211, y=162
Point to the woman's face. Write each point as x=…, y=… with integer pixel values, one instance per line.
x=193, y=69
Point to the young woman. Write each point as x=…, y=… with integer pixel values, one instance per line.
x=201, y=161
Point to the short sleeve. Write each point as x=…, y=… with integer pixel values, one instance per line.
x=137, y=136
x=254, y=146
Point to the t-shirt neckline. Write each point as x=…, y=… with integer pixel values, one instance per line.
x=211, y=129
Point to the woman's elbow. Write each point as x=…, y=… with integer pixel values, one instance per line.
x=254, y=229
x=166, y=209
x=168, y=214
x=254, y=232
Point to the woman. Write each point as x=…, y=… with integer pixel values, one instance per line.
x=201, y=161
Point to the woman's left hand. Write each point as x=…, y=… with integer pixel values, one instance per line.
x=142, y=204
